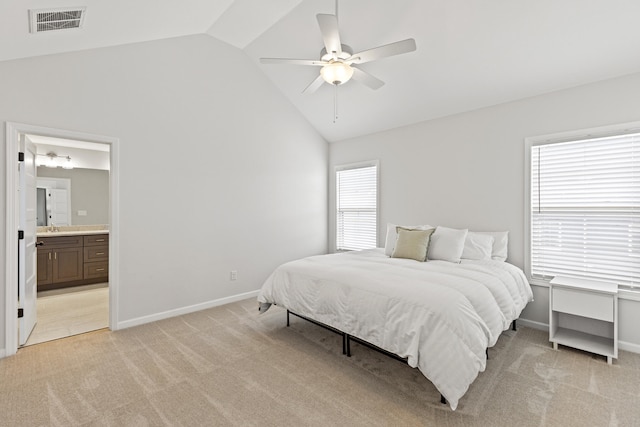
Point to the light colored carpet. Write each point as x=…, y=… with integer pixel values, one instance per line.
x=70, y=311
x=230, y=366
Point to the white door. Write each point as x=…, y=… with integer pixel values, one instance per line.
x=27, y=256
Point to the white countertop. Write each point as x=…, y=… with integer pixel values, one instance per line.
x=72, y=230
x=70, y=233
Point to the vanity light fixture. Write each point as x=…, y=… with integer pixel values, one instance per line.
x=67, y=163
x=53, y=162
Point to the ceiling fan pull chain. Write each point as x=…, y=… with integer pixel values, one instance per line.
x=335, y=103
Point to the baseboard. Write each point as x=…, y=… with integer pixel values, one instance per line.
x=186, y=310
x=532, y=324
x=629, y=346
x=622, y=345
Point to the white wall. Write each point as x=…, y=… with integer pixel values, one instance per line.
x=467, y=170
x=218, y=171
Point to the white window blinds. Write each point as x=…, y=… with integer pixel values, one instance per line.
x=356, y=203
x=585, y=209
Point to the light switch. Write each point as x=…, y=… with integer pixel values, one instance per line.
x=82, y=213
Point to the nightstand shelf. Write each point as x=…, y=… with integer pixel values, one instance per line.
x=583, y=314
x=583, y=340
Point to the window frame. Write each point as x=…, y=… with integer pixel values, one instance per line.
x=529, y=143
x=348, y=166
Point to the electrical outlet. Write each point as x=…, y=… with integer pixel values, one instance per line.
x=234, y=275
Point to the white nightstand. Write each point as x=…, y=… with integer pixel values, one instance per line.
x=583, y=314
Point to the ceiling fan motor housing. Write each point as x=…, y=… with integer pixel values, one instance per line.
x=328, y=56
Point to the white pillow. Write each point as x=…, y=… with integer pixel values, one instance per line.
x=447, y=244
x=392, y=235
x=478, y=246
x=500, y=244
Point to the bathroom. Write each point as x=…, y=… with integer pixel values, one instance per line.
x=72, y=187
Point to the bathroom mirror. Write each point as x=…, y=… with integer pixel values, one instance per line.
x=53, y=201
x=42, y=216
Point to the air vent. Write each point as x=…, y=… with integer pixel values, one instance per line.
x=42, y=20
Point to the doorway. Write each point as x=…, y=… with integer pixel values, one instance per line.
x=72, y=282
x=61, y=140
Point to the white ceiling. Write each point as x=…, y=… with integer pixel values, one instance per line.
x=471, y=54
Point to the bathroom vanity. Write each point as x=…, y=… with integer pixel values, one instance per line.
x=72, y=257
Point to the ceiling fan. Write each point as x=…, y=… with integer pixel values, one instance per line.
x=338, y=62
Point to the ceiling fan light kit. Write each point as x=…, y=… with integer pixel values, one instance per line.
x=336, y=72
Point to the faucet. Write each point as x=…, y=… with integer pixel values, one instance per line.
x=52, y=227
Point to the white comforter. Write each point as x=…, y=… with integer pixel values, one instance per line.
x=440, y=315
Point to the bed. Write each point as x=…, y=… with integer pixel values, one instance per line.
x=439, y=315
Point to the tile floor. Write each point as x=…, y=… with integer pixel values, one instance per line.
x=70, y=311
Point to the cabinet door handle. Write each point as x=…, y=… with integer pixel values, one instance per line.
x=40, y=243
x=99, y=269
x=49, y=256
x=99, y=253
x=55, y=255
x=99, y=240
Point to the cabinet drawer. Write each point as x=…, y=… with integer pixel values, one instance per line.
x=587, y=304
x=60, y=242
x=94, y=270
x=96, y=253
x=96, y=239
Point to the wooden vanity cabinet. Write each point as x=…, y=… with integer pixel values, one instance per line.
x=72, y=260
x=45, y=266
x=67, y=265
x=96, y=256
x=59, y=260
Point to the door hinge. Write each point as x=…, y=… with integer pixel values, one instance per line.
x=21, y=157
x=20, y=313
x=20, y=234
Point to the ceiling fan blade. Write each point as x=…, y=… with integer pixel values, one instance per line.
x=292, y=61
x=367, y=79
x=391, y=49
x=330, y=34
x=314, y=85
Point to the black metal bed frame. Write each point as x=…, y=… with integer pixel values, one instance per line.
x=346, y=342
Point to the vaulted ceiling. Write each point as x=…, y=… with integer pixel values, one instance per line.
x=470, y=54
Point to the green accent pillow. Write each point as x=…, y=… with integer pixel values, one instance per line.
x=412, y=244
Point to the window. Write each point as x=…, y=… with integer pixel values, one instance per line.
x=356, y=206
x=584, y=208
